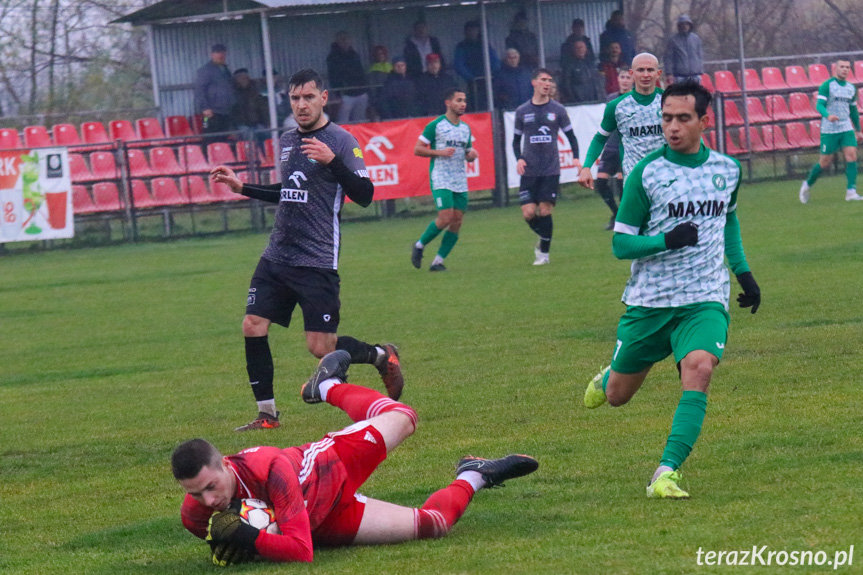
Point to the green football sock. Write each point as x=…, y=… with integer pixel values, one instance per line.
x=447, y=243
x=431, y=233
x=851, y=175
x=605, y=380
x=685, y=428
x=813, y=174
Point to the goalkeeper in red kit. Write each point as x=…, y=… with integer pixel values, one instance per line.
x=313, y=488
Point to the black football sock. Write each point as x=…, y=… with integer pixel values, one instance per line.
x=545, y=231
x=361, y=352
x=533, y=223
x=603, y=188
x=259, y=364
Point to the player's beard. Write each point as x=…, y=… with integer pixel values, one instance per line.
x=311, y=123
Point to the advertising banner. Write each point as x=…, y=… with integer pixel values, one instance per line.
x=585, y=123
x=388, y=150
x=35, y=195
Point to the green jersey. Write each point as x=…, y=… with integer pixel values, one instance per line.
x=638, y=118
x=447, y=173
x=666, y=189
x=837, y=97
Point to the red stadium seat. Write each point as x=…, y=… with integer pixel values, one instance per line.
x=150, y=129
x=222, y=193
x=731, y=147
x=163, y=162
x=9, y=139
x=66, y=135
x=773, y=79
x=815, y=130
x=94, y=133
x=141, y=197
x=732, y=114
x=860, y=100
x=220, y=153
x=798, y=137
x=106, y=198
x=858, y=70
x=754, y=139
x=192, y=159
x=795, y=77
x=774, y=138
x=818, y=74
x=37, y=137
x=178, y=126
x=166, y=193
x=777, y=109
x=268, y=153
x=139, y=167
x=246, y=152
x=707, y=83
x=757, y=115
x=753, y=82
x=710, y=139
x=800, y=106
x=276, y=178
x=78, y=170
x=123, y=130
x=104, y=166
x=82, y=203
x=711, y=117
x=194, y=188
x=198, y=124
x=725, y=81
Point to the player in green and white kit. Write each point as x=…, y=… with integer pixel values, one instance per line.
x=446, y=140
x=637, y=115
x=677, y=222
x=837, y=103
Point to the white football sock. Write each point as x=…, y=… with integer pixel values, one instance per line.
x=475, y=478
x=419, y=244
x=267, y=406
x=659, y=471
x=437, y=260
x=327, y=385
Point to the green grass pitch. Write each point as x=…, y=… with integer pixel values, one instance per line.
x=112, y=356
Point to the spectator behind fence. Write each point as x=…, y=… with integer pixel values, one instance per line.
x=251, y=110
x=347, y=79
x=214, y=94
x=580, y=80
x=417, y=48
x=576, y=35
x=512, y=84
x=611, y=62
x=399, y=94
x=524, y=41
x=379, y=71
x=468, y=62
x=433, y=86
x=684, y=56
x=615, y=31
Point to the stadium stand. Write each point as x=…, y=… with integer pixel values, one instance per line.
x=801, y=106
x=732, y=114
x=37, y=137
x=78, y=170
x=198, y=124
x=246, y=152
x=150, y=129
x=222, y=193
x=795, y=77
x=123, y=130
x=141, y=197
x=66, y=135
x=707, y=83
x=220, y=153
x=774, y=139
x=818, y=74
x=194, y=188
x=164, y=163
x=94, y=133
x=139, y=167
x=82, y=203
x=710, y=139
x=757, y=115
x=777, y=109
x=815, y=130
x=754, y=139
x=773, y=79
x=799, y=137
x=731, y=146
x=725, y=81
x=192, y=159
x=268, y=154
x=753, y=82
x=166, y=192
x=178, y=127
x=860, y=100
x=858, y=70
x=104, y=166
x=9, y=139
x=106, y=197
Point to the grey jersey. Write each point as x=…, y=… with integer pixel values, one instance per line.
x=539, y=126
x=307, y=229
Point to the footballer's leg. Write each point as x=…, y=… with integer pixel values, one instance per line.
x=259, y=366
x=850, y=153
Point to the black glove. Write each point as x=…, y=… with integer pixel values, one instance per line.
x=227, y=527
x=685, y=234
x=751, y=296
x=225, y=554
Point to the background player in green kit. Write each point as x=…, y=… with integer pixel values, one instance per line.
x=446, y=140
x=636, y=115
x=677, y=222
x=837, y=103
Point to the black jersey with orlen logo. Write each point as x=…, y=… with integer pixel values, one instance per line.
x=307, y=229
x=539, y=126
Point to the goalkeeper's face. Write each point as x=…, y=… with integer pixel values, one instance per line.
x=214, y=486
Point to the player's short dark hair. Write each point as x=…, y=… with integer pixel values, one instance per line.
x=840, y=59
x=690, y=88
x=192, y=456
x=539, y=71
x=303, y=77
x=450, y=94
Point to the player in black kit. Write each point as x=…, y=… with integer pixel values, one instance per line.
x=319, y=162
x=539, y=120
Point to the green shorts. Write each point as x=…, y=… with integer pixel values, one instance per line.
x=832, y=142
x=647, y=335
x=447, y=199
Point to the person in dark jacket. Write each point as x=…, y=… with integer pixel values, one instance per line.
x=251, y=112
x=577, y=34
x=348, y=79
x=524, y=41
x=417, y=48
x=615, y=31
x=468, y=62
x=512, y=84
x=684, y=55
x=433, y=86
x=399, y=94
x=214, y=94
x=581, y=81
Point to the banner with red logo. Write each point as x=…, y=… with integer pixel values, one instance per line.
x=388, y=150
x=35, y=195
x=585, y=123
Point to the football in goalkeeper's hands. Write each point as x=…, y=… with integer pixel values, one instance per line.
x=259, y=515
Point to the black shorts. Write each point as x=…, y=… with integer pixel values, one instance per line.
x=276, y=289
x=539, y=189
x=609, y=161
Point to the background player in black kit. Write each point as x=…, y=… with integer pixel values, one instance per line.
x=539, y=119
x=319, y=162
